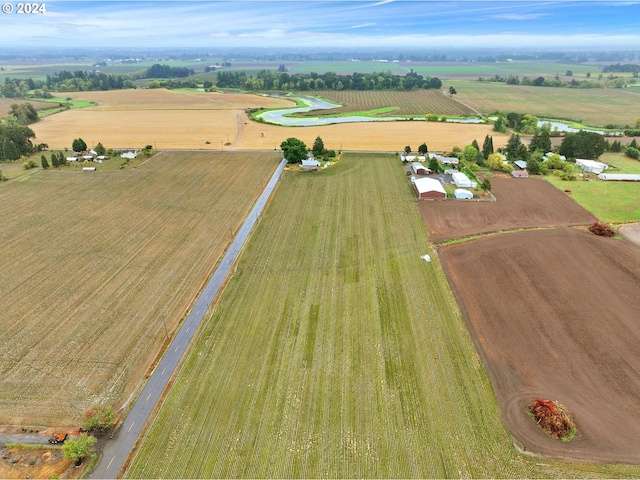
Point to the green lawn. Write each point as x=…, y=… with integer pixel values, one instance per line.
x=337, y=352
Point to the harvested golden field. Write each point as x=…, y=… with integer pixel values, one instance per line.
x=5, y=105
x=175, y=120
x=95, y=264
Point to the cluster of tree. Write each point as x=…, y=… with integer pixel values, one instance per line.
x=272, y=80
x=165, y=71
x=170, y=84
x=15, y=140
x=319, y=150
x=294, y=150
x=24, y=113
x=64, y=81
x=611, y=81
x=624, y=68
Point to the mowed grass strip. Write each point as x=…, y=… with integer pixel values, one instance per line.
x=337, y=352
x=597, y=107
x=94, y=265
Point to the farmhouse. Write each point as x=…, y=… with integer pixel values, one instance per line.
x=462, y=194
x=445, y=160
x=429, y=188
x=419, y=169
x=461, y=180
x=591, y=165
x=620, y=177
x=309, y=164
x=520, y=174
x=131, y=154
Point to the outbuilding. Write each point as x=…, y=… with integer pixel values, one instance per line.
x=462, y=194
x=419, y=169
x=429, y=189
x=310, y=164
x=521, y=164
x=461, y=180
x=591, y=166
x=620, y=177
x=520, y=174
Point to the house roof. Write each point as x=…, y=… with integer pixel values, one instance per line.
x=427, y=184
x=521, y=163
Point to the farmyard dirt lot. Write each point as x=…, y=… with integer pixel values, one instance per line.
x=554, y=314
x=521, y=203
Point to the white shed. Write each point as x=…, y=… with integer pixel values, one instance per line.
x=461, y=180
x=419, y=169
x=462, y=194
x=591, y=165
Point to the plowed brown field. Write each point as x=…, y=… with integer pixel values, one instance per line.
x=520, y=203
x=554, y=314
x=176, y=120
x=95, y=264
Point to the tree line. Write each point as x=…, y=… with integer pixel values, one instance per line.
x=273, y=80
x=64, y=81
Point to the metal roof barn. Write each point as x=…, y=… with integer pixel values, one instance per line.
x=429, y=188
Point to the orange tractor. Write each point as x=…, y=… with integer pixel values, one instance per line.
x=58, y=437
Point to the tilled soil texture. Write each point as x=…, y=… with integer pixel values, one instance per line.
x=520, y=203
x=554, y=315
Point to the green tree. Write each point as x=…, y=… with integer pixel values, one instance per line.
x=487, y=146
x=582, y=145
x=9, y=149
x=407, y=149
x=632, y=153
x=99, y=417
x=452, y=91
x=494, y=162
x=540, y=141
x=423, y=149
x=318, y=147
x=513, y=147
x=470, y=153
x=294, y=150
x=44, y=162
x=434, y=165
x=486, y=184
x=24, y=113
x=500, y=124
x=80, y=448
x=529, y=124
x=79, y=145
x=533, y=165
x=100, y=150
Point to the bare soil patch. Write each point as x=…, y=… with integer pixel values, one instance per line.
x=554, y=314
x=20, y=463
x=520, y=203
x=631, y=232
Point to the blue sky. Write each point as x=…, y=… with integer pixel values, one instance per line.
x=389, y=24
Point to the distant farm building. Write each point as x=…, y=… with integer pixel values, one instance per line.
x=445, y=160
x=591, y=166
x=130, y=154
x=429, y=189
x=521, y=164
x=461, y=180
x=310, y=164
x=88, y=169
x=462, y=194
x=419, y=169
x=520, y=174
x=620, y=177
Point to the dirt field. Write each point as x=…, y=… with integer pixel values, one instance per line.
x=554, y=315
x=631, y=232
x=175, y=120
x=93, y=267
x=521, y=203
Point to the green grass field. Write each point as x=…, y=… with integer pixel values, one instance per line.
x=506, y=68
x=595, y=107
x=337, y=352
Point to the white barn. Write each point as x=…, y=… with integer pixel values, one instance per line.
x=461, y=180
x=591, y=166
x=462, y=194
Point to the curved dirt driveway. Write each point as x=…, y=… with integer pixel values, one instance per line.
x=631, y=231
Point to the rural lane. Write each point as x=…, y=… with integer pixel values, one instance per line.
x=117, y=449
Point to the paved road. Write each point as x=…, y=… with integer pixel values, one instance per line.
x=117, y=450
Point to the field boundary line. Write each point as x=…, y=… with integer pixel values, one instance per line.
x=119, y=448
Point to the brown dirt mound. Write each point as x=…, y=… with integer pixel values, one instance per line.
x=521, y=203
x=553, y=418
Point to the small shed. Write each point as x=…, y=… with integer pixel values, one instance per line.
x=620, y=177
x=462, y=194
x=461, y=180
x=310, y=164
x=521, y=164
x=131, y=154
x=419, y=169
x=88, y=169
x=429, y=189
x=520, y=174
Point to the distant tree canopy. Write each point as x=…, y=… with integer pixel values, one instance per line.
x=79, y=145
x=165, y=71
x=65, y=81
x=582, y=145
x=272, y=80
x=24, y=113
x=19, y=135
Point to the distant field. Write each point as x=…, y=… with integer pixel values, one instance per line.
x=337, y=352
x=94, y=264
x=596, y=107
x=415, y=102
x=501, y=68
x=347, y=67
x=5, y=105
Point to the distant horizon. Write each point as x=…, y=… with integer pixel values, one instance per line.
x=358, y=25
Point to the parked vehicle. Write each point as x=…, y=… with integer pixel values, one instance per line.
x=58, y=437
